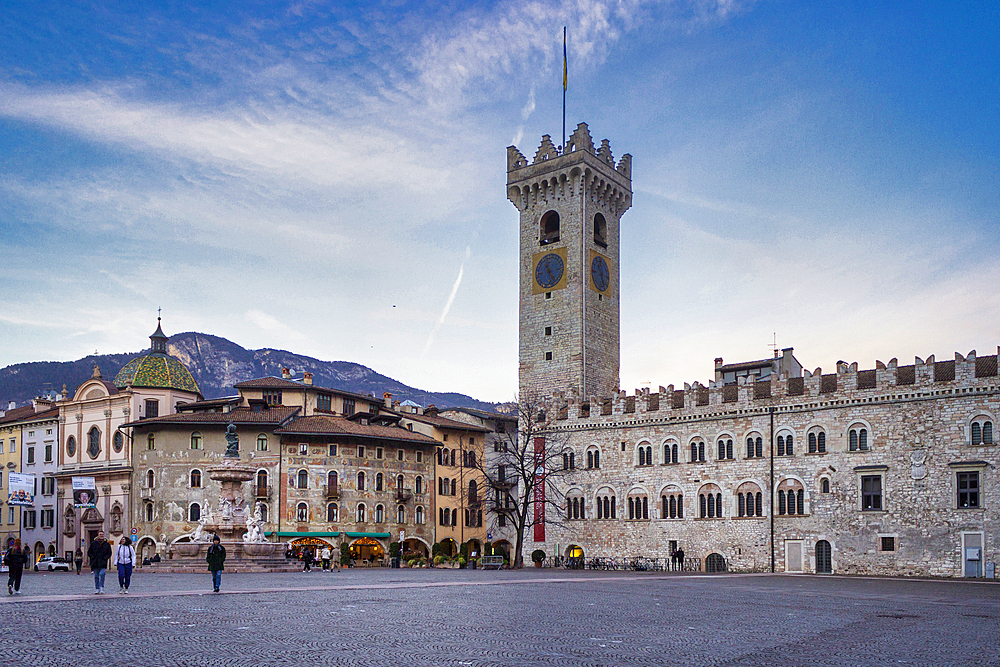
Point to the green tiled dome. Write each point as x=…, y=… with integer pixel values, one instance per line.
x=156, y=370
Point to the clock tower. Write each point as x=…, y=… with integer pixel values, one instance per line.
x=570, y=203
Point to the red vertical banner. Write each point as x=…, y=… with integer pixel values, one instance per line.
x=539, y=489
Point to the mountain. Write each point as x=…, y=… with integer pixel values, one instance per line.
x=217, y=364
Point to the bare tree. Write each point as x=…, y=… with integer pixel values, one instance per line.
x=519, y=478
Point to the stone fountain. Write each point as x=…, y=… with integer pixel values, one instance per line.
x=239, y=528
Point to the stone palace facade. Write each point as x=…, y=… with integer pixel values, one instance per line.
x=769, y=467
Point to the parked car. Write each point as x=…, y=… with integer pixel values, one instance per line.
x=50, y=563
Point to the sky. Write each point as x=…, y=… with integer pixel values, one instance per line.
x=329, y=178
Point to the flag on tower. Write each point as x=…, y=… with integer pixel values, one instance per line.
x=564, y=58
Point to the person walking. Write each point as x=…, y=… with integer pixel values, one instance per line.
x=15, y=561
x=216, y=562
x=307, y=560
x=98, y=554
x=325, y=557
x=124, y=559
x=78, y=560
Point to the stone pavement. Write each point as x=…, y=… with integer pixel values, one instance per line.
x=531, y=617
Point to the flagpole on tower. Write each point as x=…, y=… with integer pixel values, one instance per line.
x=564, y=91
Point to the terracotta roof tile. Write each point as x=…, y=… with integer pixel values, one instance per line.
x=17, y=414
x=277, y=415
x=333, y=425
x=444, y=422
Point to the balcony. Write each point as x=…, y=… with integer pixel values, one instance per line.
x=332, y=491
x=262, y=492
x=403, y=495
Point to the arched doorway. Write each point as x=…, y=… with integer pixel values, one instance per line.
x=574, y=557
x=475, y=549
x=501, y=548
x=309, y=544
x=39, y=551
x=715, y=563
x=413, y=545
x=824, y=558
x=145, y=548
x=367, y=551
x=449, y=547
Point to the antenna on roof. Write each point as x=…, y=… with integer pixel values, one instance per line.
x=774, y=344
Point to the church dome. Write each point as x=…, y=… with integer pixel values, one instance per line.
x=157, y=369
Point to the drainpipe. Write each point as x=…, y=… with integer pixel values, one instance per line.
x=771, y=414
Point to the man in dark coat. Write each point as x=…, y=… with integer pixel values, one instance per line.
x=216, y=562
x=99, y=554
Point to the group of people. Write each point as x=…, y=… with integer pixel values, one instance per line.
x=325, y=556
x=99, y=553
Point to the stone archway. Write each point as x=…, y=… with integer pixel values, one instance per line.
x=367, y=551
x=145, y=548
x=415, y=545
x=715, y=563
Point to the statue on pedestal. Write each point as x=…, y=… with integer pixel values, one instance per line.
x=232, y=442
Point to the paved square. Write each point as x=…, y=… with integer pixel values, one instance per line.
x=531, y=617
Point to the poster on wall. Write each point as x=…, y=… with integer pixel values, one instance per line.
x=22, y=489
x=84, y=492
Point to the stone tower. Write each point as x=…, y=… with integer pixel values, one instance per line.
x=571, y=202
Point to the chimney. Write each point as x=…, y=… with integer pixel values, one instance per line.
x=286, y=374
x=11, y=405
x=307, y=378
x=431, y=410
x=387, y=399
x=718, y=365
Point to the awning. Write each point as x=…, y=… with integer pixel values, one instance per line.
x=376, y=535
x=305, y=534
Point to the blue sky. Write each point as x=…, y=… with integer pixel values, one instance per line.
x=329, y=178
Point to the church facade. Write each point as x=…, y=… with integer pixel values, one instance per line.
x=890, y=470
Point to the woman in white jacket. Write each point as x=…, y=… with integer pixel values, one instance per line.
x=124, y=558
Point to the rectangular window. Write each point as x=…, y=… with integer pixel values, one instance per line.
x=361, y=451
x=48, y=486
x=31, y=455
x=48, y=431
x=152, y=408
x=272, y=397
x=348, y=407
x=323, y=402
x=399, y=455
x=13, y=445
x=48, y=518
x=303, y=449
x=31, y=434
x=333, y=450
x=378, y=452
x=420, y=457
x=1, y=446
x=29, y=518
x=10, y=515
x=548, y=356
x=48, y=453
x=968, y=490
x=871, y=492
x=548, y=331
x=888, y=543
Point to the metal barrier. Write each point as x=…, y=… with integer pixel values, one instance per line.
x=494, y=562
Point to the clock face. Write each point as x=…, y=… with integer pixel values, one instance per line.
x=549, y=270
x=599, y=273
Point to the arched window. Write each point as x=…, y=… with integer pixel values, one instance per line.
x=263, y=512
x=361, y=481
x=399, y=482
x=454, y=487
x=331, y=512
x=817, y=441
x=147, y=508
x=606, y=504
x=791, y=498
x=400, y=514
x=452, y=459
x=379, y=514
x=710, y=502
x=697, y=451
x=94, y=442
x=302, y=480
x=261, y=482
x=472, y=460
x=824, y=485
x=150, y=479
x=302, y=513
x=600, y=230
x=418, y=515
x=196, y=441
x=195, y=479
x=473, y=491
x=262, y=443
x=194, y=512
x=749, y=500
x=593, y=458
x=982, y=431
x=362, y=513
x=549, y=228
x=755, y=447
x=785, y=445
x=725, y=447
x=858, y=439
x=672, y=501
x=418, y=484
x=379, y=482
